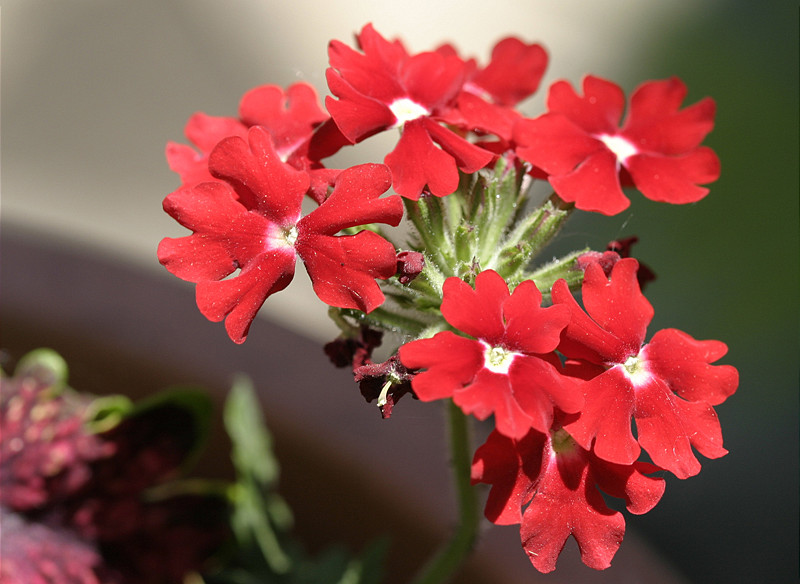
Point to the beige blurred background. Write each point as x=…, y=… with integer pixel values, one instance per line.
x=93, y=90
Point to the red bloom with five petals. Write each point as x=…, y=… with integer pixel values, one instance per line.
x=668, y=386
x=508, y=368
x=561, y=485
x=588, y=157
x=251, y=220
x=385, y=87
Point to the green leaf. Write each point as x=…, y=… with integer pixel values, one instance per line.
x=251, y=442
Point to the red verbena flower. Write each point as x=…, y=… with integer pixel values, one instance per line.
x=588, y=157
x=668, y=386
x=250, y=220
x=290, y=117
x=508, y=367
x=385, y=87
x=561, y=485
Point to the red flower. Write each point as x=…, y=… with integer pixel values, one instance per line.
x=588, y=156
x=508, y=368
x=667, y=386
x=252, y=222
x=561, y=485
x=290, y=117
x=384, y=87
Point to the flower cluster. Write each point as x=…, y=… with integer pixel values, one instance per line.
x=479, y=321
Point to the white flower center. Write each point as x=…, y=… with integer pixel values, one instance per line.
x=280, y=237
x=621, y=147
x=497, y=359
x=406, y=110
x=636, y=370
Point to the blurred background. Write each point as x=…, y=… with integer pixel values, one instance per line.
x=93, y=89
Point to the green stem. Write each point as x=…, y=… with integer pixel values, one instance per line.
x=446, y=562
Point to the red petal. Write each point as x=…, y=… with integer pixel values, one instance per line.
x=514, y=72
x=668, y=427
x=617, y=304
x=554, y=143
x=530, y=328
x=491, y=393
x=606, y=418
x=469, y=157
x=451, y=362
x=259, y=177
x=192, y=166
x=432, y=80
x=600, y=109
x=416, y=162
x=476, y=312
x=567, y=504
x=512, y=468
x=343, y=269
x=355, y=200
x=594, y=185
x=655, y=125
x=240, y=298
x=226, y=235
x=357, y=116
x=537, y=387
x=289, y=116
x=674, y=179
x=206, y=131
x=583, y=338
x=629, y=482
x=685, y=364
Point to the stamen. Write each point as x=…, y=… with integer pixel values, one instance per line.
x=621, y=147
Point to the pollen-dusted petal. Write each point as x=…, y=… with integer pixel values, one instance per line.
x=685, y=364
x=238, y=299
x=416, y=162
x=478, y=311
x=262, y=181
x=514, y=72
x=674, y=179
x=343, y=269
x=450, y=362
x=355, y=200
